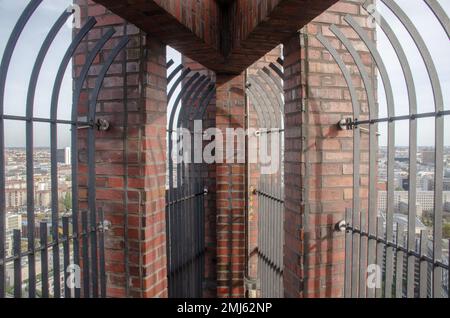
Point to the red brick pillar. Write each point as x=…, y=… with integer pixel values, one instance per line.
x=319, y=156
x=230, y=194
x=130, y=156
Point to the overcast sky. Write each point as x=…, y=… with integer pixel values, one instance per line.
x=38, y=26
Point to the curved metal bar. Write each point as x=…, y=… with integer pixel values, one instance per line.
x=356, y=144
x=174, y=72
x=11, y=45
x=199, y=91
x=391, y=150
x=91, y=158
x=262, y=103
x=53, y=147
x=177, y=82
x=202, y=80
x=412, y=192
x=440, y=15
x=206, y=99
x=29, y=146
x=172, y=118
x=101, y=76
x=62, y=67
x=372, y=132
x=277, y=81
x=345, y=72
x=277, y=70
x=4, y=67
x=85, y=70
x=183, y=118
x=74, y=142
x=184, y=167
x=439, y=139
x=204, y=96
x=182, y=93
x=268, y=79
x=423, y=50
x=378, y=61
x=254, y=101
x=185, y=88
x=180, y=121
x=40, y=60
x=274, y=115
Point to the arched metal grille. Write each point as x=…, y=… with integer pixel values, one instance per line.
x=81, y=238
x=265, y=92
x=185, y=208
x=410, y=265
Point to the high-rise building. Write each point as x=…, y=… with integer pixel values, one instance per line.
x=67, y=155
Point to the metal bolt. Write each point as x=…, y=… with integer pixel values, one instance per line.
x=341, y=226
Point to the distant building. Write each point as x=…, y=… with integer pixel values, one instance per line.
x=63, y=156
x=446, y=185
x=424, y=198
x=401, y=220
x=428, y=157
x=67, y=155
x=403, y=208
x=13, y=222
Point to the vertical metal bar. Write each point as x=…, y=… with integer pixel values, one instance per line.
x=44, y=259
x=85, y=253
x=30, y=148
x=355, y=252
x=17, y=251
x=372, y=217
x=391, y=149
x=74, y=144
x=380, y=257
x=66, y=253
x=438, y=206
x=423, y=274
x=178, y=243
x=400, y=242
x=101, y=246
x=363, y=258
x=4, y=66
x=55, y=218
x=348, y=254
x=439, y=137
x=53, y=149
x=412, y=192
x=91, y=160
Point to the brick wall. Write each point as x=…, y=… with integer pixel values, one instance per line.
x=230, y=200
x=131, y=164
x=130, y=157
x=319, y=157
x=254, y=169
x=208, y=175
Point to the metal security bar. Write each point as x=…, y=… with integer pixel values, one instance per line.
x=76, y=265
x=265, y=91
x=185, y=195
x=384, y=257
x=270, y=239
x=187, y=243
